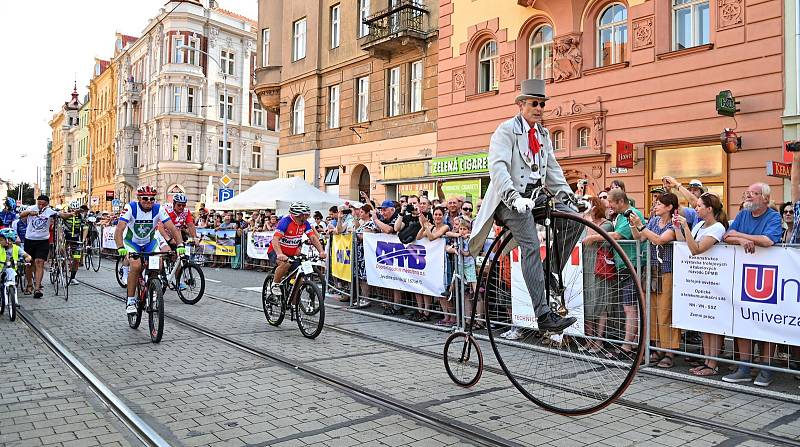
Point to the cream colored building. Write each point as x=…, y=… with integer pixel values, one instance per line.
x=102, y=130
x=63, y=126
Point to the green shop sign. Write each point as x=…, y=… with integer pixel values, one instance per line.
x=460, y=164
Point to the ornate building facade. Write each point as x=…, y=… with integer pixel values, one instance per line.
x=645, y=72
x=171, y=103
x=63, y=126
x=102, y=131
x=354, y=82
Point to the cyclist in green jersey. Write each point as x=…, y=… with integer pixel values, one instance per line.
x=73, y=235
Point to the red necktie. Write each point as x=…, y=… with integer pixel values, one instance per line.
x=533, y=142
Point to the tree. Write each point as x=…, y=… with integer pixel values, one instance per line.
x=27, y=193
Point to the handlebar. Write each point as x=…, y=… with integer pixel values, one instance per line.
x=134, y=255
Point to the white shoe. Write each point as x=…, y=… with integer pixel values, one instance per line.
x=131, y=308
x=276, y=290
x=73, y=282
x=514, y=334
x=507, y=333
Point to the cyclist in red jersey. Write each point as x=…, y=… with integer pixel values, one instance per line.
x=184, y=221
x=287, y=240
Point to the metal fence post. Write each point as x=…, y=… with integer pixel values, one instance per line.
x=328, y=261
x=353, y=270
x=648, y=279
x=459, y=268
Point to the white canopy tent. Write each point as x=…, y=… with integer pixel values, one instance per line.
x=278, y=194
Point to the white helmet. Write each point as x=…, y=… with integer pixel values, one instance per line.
x=74, y=205
x=298, y=208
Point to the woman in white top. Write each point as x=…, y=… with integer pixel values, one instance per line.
x=705, y=234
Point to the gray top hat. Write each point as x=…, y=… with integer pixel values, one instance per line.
x=531, y=89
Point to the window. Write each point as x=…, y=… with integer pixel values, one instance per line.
x=540, y=53
x=258, y=114
x=299, y=40
x=706, y=162
x=362, y=99
x=69, y=179
x=176, y=99
x=558, y=140
x=178, y=53
x=393, y=97
x=256, y=158
x=192, y=56
x=335, y=27
x=298, y=116
x=226, y=62
x=612, y=35
x=332, y=176
x=222, y=107
x=363, y=13
x=69, y=153
x=487, y=65
x=175, y=142
x=265, y=47
x=690, y=22
x=219, y=153
x=333, y=106
x=583, y=137
x=416, y=86
x=135, y=156
x=190, y=100
x=188, y=148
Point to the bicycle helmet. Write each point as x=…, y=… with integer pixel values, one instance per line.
x=9, y=234
x=179, y=198
x=146, y=190
x=74, y=205
x=298, y=208
x=11, y=203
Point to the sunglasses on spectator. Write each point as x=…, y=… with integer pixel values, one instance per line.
x=466, y=209
x=788, y=212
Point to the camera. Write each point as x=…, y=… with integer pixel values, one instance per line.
x=409, y=208
x=627, y=213
x=794, y=146
x=347, y=211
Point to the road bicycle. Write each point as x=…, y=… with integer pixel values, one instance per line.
x=590, y=364
x=192, y=282
x=150, y=294
x=59, y=260
x=91, y=258
x=8, y=288
x=299, y=293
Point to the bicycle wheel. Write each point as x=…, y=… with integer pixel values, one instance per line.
x=192, y=277
x=135, y=319
x=155, y=309
x=52, y=263
x=310, y=308
x=86, y=260
x=11, y=297
x=94, y=253
x=55, y=275
x=274, y=308
x=592, y=362
x=463, y=359
x=2, y=301
x=118, y=272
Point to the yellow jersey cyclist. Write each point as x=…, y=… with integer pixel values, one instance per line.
x=74, y=236
x=136, y=233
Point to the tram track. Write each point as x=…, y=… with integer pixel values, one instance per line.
x=730, y=430
x=423, y=416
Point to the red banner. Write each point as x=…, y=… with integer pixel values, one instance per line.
x=624, y=154
x=778, y=169
x=109, y=195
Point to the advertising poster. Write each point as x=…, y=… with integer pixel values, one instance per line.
x=416, y=267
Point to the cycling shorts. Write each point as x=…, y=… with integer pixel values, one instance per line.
x=136, y=248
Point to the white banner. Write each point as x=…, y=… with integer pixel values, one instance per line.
x=763, y=302
x=258, y=244
x=702, y=290
x=417, y=267
x=108, y=238
x=522, y=313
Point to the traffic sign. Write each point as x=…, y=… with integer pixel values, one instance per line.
x=225, y=180
x=224, y=194
x=116, y=203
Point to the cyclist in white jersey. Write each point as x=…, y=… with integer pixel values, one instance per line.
x=136, y=233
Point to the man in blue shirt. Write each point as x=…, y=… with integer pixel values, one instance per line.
x=757, y=225
x=8, y=215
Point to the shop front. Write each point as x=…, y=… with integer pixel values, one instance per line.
x=464, y=175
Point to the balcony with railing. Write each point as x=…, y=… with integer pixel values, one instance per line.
x=398, y=28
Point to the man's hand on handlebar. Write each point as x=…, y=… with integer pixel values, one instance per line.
x=523, y=205
x=282, y=257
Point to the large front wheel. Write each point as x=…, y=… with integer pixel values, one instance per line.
x=591, y=363
x=310, y=309
x=191, y=284
x=155, y=309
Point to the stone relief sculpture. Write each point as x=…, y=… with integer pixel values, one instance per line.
x=567, y=59
x=597, y=133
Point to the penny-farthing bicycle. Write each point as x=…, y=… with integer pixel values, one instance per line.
x=590, y=364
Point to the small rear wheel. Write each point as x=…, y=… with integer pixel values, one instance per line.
x=119, y=273
x=194, y=281
x=310, y=309
x=155, y=309
x=463, y=359
x=11, y=297
x=273, y=306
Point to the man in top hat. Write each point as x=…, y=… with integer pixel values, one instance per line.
x=521, y=161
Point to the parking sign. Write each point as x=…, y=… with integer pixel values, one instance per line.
x=224, y=194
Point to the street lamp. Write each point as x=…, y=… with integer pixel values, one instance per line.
x=224, y=106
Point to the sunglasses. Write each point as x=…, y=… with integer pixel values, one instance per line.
x=536, y=103
x=147, y=199
x=788, y=212
x=466, y=209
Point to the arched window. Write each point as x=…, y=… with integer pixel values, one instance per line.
x=583, y=137
x=298, y=116
x=540, y=53
x=487, y=67
x=558, y=140
x=612, y=35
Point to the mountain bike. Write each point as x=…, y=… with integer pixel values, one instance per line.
x=192, y=282
x=59, y=260
x=150, y=294
x=8, y=288
x=583, y=369
x=299, y=293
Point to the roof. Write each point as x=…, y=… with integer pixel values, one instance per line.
x=236, y=16
x=126, y=39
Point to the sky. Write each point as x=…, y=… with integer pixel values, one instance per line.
x=52, y=43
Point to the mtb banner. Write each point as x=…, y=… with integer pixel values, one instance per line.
x=258, y=244
x=207, y=243
x=757, y=296
x=341, y=256
x=522, y=313
x=108, y=238
x=417, y=267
